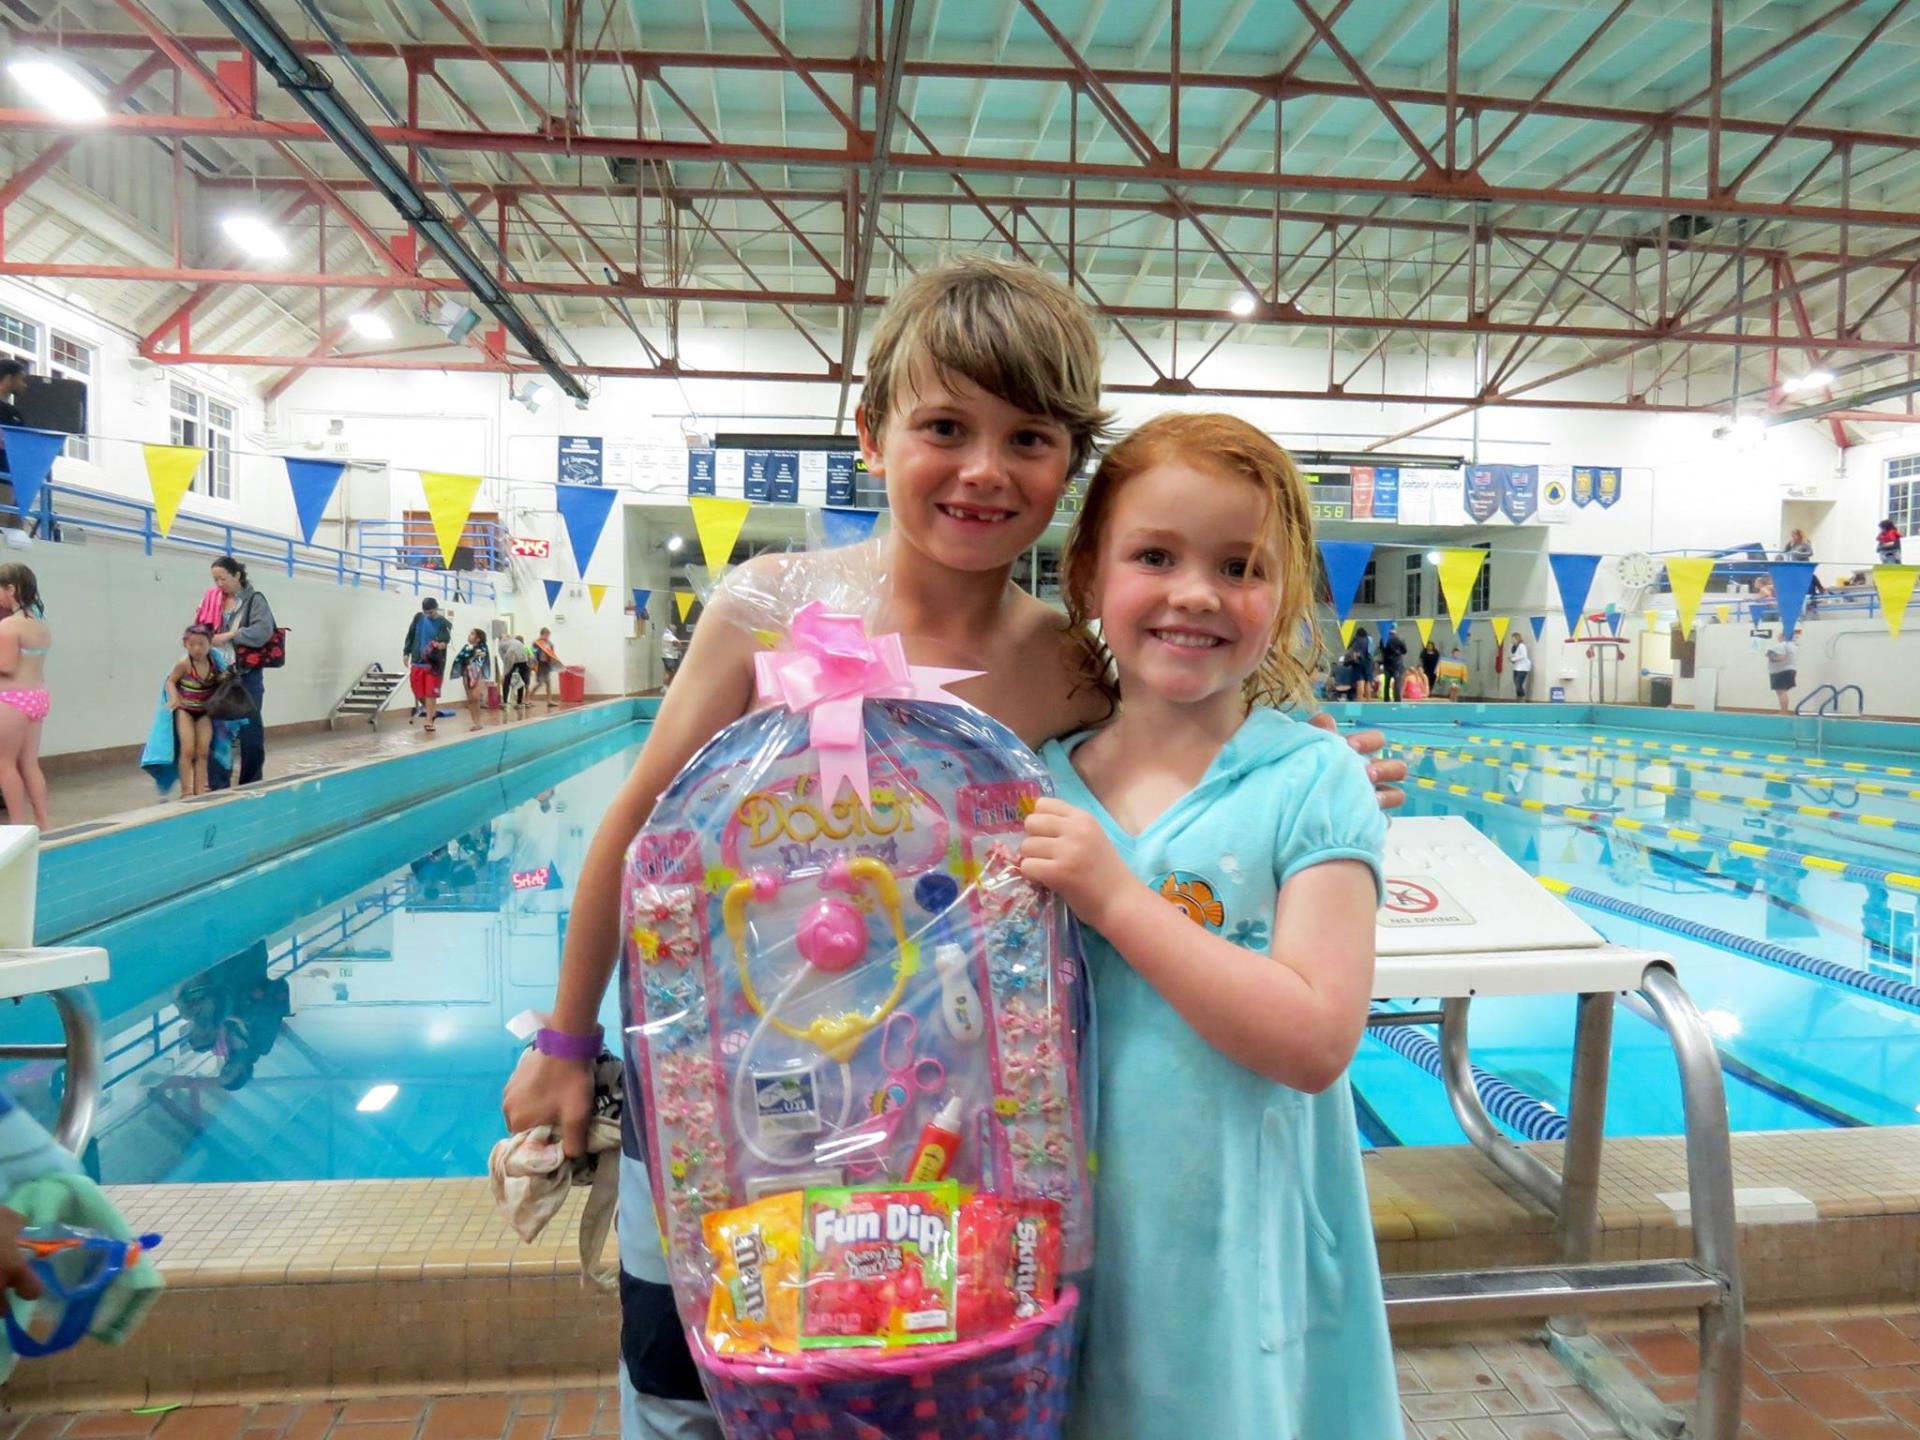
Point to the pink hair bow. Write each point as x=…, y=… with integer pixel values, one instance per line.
x=830, y=669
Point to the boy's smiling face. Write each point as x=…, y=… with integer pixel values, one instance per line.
x=972, y=481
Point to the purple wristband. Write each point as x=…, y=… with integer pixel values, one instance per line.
x=565, y=1045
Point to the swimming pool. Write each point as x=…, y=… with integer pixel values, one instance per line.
x=342, y=1013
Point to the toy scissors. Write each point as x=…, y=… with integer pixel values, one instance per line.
x=908, y=1076
x=80, y=1297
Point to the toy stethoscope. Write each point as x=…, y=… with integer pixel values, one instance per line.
x=80, y=1298
x=908, y=1075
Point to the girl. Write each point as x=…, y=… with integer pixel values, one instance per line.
x=247, y=620
x=189, y=685
x=24, y=702
x=982, y=399
x=1236, y=1290
x=546, y=660
x=1520, y=661
x=475, y=667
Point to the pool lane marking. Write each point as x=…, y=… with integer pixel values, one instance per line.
x=1851, y=870
x=1712, y=797
x=1746, y=772
x=1809, y=760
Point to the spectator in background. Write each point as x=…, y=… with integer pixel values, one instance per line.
x=25, y=642
x=546, y=660
x=1393, y=663
x=1887, y=543
x=428, y=635
x=1520, y=661
x=1780, y=671
x=247, y=625
x=673, y=649
x=1452, y=676
x=516, y=673
x=474, y=666
x=13, y=379
x=1430, y=661
x=1799, y=548
x=1363, y=643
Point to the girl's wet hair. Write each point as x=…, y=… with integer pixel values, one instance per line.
x=204, y=632
x=26, y=588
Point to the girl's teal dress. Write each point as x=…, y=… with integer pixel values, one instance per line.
x=1236, y=1290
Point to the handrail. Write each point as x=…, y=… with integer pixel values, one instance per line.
x=1859, y=700
x=411, y=543
x=117, y=515
x=1825, y=694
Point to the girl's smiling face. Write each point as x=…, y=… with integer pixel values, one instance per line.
x=972, y=481
x=198, y=646
x=1186, y=595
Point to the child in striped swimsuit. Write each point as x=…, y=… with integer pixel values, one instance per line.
x=188, y=687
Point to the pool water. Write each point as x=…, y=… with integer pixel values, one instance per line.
x=342, y=1012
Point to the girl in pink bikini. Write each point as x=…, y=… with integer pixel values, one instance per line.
x=24, y=642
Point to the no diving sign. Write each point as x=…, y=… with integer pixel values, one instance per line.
x=1417, y=901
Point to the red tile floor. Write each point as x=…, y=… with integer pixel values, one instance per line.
x=1840, y=1379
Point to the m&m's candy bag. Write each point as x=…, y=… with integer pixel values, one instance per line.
x=756, y=1252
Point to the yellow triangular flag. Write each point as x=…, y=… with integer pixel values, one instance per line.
x=683, y=600
x=1723, y=613
x=717, y=523
x=1346, y=630
x=1500, y=624
x=596, y=593
x=1425, y=626
x=449, y=502
x=170, y=471
x=1895, y=584
x=1687, y=577
x=1650, y=620
x=1458, y=570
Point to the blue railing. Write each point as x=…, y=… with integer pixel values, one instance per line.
x=412, y=544
x=59, y=507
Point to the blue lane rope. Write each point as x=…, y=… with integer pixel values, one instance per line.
x=1515, y=1109
x=1895, y=992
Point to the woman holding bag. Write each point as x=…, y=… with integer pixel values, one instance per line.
x=248, y=626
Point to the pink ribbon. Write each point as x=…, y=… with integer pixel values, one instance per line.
x=830, y=670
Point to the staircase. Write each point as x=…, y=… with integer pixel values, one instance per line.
x=367, y=697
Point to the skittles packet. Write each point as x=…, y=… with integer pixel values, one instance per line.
x=879, y=1265
x=1009, y=1262
x=755, y=1303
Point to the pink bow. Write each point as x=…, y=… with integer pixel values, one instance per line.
x=833, y=668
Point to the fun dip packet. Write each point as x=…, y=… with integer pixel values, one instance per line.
x=878, y=1263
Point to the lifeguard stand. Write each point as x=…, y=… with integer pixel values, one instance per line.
x=61, y=973
x=1603, y=651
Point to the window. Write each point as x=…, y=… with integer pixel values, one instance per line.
x=1416, y=564
x=1369, y=585
x=1482, y=600
x=19, y=338
x=1903, y=492
x=195, y=419
x=68, y=359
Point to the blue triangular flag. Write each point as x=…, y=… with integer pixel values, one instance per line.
x=1791, y=581
x=1615, y=618
x=30, y=455
x=313, y=484
x=553, y=877
x=1460, y=630
x=1573, y=574
x=1345, y=562
x=840, y=526
x=640, y=598
x=1539, y=623
x=553, y=591
x=583, y=510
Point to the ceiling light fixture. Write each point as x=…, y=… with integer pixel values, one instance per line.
x=255, y=237
x=58, y=89
x=675, y=544
x=377, y=1099
x=370, y=325
x=1812, y=380
x=1244, y=304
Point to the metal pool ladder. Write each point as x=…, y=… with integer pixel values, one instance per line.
x=61, y=973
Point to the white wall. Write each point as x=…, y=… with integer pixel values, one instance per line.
x=117, y=616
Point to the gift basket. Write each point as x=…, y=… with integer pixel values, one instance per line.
x=854, y=1029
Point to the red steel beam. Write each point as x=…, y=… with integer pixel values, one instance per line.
x=1163, y=173
x=1386, y=107
x=1265, y=84
x=797, y=66
x=22, y=179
